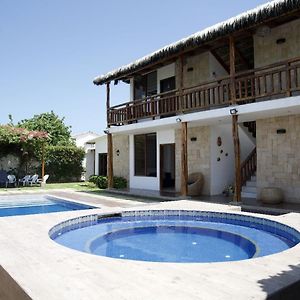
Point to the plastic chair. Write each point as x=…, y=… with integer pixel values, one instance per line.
x=44, y=179
x=25, y=180
x=33, y=179
x=11, y=180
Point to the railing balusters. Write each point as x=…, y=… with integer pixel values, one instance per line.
x=248, y=167
x=249, y=86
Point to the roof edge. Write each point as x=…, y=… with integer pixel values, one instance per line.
x=262, y=13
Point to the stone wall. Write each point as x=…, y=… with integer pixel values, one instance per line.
x=198, y=155
x=267, y=51
x=9, y=162
x=199, y=68
x=278, y=155
x=121, y=162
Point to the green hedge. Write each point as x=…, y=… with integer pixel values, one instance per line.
x=64, y=163
x=101, y=182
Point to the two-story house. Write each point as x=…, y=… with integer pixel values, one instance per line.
x=223, y=101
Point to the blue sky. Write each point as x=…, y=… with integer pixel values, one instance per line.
x=52, y=49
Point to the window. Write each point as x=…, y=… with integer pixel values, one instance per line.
x=167, y=84
x=145, y=155
x=145, y=85
x=102, y=164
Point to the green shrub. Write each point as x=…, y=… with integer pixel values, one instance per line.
x=93, y=179
x=120, y=183
x=102, y=182
x=64, y=163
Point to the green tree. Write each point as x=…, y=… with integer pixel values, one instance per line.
x=59, y=134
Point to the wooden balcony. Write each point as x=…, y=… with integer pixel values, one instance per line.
x=270, y=82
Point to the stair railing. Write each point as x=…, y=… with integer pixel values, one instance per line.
x=248, y=167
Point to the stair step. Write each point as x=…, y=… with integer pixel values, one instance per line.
x=248, y=195
x=253, y=178
x=251, y=183
x=249, y=189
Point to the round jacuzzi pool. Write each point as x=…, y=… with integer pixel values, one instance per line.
x=175, y=236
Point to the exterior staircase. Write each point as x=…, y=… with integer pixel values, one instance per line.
x=249, y=190
x=248, y=167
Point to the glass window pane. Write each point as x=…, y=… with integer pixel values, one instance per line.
x=139, y=155
x=152, y=84
x=151, y=155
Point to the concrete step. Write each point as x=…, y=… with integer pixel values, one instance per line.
x=253, y=178
x=251, y=183
x=248, y=195
x=249, y=189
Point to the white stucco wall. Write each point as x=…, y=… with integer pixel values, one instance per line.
x=82, y=139
x=144, y=182
x=90, y=164
x=222, y=171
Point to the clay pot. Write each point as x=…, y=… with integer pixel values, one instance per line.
x=271, y=195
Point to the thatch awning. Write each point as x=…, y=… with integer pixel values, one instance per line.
x=261, y=14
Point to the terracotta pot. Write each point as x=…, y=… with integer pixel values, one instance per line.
x=271, y=195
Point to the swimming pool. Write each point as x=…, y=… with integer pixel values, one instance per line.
x=36, y=204
x=175, y=236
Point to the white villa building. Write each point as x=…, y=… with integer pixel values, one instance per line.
x=88, y=163
x=223, y=102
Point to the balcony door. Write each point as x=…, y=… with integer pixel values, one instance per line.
x=145, y=85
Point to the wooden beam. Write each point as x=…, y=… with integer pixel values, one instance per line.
x=237, y=158
x=220, y=60
x=184, y=164
x=110, y=174
x=107, y=102
x=232, y=69
x=180, y=82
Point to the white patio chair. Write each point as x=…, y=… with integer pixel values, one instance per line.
x=25, y=180
x=11, y=180
x=33, y=180
x=43, y=180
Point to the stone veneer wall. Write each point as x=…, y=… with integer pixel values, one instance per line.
x=198, y=155
x=278, y=155
x=267, y=51
x=121, y=162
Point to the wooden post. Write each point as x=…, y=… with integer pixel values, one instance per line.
x=235, y=127
x=180, y=82
x=237, y=158
x=184, y=164
x=107, y=103
x=288, y=80
x=232, y=69
x=110, y=174
x=43, y=160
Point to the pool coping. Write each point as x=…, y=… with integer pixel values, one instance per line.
x=74, y=274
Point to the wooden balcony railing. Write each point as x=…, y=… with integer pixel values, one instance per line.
x=270, y=82
x=248, y=167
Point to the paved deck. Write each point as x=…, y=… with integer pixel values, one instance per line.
x=247, y=204
x=42, y=269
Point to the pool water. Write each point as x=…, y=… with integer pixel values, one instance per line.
x=36, y=204
x=173, y=243
x=177, y=238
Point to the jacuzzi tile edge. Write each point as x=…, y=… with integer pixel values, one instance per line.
x=260, y=223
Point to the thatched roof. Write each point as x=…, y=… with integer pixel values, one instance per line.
x=244, y=20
